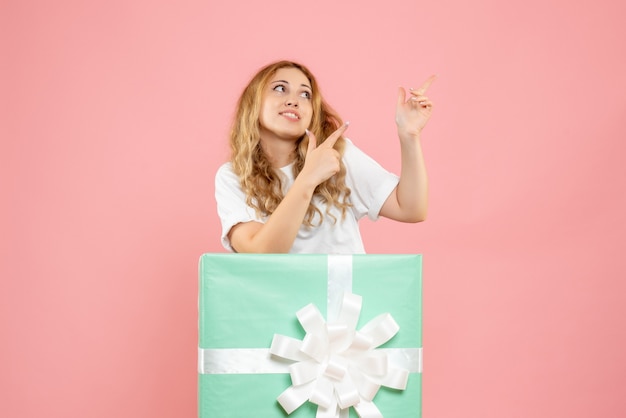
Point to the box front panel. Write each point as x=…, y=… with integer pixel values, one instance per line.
x=246, y=299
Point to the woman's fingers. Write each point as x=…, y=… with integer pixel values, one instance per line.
x=332, y=139
x=421, y=100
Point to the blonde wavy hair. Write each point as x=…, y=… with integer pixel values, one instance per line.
x=261, y=183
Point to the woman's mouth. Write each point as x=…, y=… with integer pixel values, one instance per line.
x=290, y=115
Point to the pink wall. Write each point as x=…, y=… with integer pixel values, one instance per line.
x=114, y=116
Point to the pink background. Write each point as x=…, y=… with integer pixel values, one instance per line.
x=114, y=120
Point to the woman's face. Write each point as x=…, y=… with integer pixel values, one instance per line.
x=286, y=107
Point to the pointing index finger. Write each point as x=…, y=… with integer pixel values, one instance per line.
x=332, y=139
x=426, y=85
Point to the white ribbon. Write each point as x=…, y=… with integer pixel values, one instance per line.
x=337, y=367
x=334, y=366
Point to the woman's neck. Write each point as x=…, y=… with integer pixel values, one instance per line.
x=280, y=153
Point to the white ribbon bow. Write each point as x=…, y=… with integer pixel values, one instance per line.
x=337, y=367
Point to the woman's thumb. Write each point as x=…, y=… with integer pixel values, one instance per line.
x=401, y=96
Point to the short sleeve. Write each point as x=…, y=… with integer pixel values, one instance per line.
x=231, y=202
x=369, y=182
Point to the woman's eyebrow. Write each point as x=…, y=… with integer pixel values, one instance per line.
x=287, y=82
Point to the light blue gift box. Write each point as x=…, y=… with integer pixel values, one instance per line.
x=245, y=299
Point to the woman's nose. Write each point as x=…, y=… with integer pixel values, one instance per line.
x=292, y=101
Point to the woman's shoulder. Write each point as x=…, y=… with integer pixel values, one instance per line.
x=349, y=146
x=225, y=174
x=225, y=169
x=351, y=151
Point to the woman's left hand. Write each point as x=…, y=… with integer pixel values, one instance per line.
x=413, y=114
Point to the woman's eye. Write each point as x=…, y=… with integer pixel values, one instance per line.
x=306, y=94
x=280, y=88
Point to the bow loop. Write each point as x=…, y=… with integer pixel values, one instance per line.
x=381, y=329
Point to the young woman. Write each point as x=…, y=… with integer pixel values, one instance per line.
x=296, y=184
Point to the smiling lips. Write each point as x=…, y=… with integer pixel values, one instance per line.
x=291, y=115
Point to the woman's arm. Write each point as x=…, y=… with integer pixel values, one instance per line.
x=409, y=200
x=279, y=232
